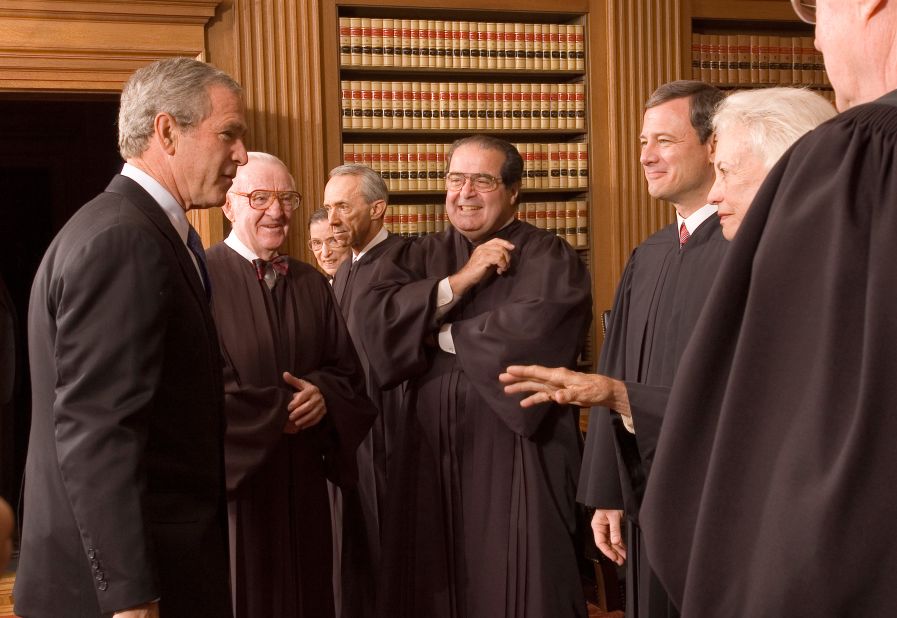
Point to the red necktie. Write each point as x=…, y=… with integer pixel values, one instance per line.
x=683, y=235
x=268, y=271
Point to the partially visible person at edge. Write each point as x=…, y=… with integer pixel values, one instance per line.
x=125, y=511
x=776, y=467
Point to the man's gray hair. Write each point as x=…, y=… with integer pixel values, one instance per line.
x=774, y=117
x=176, y=86
x=372, y=186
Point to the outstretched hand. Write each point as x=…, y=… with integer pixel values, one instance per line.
x=564, y=386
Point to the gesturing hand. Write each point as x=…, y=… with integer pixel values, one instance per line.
x=564, y=387
x=307, y=407
x=492, y=255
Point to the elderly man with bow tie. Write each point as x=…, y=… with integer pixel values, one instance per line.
x=294, y=398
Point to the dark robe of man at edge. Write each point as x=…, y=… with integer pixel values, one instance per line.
x=776, y=468
x=355, y=199
x=279, y=509
x=481, y=517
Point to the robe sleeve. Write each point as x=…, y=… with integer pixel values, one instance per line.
x=256, y=416
x=542, y=322
x=401, y=338
x=648, y=404
x=341, y=380
x=599, y=481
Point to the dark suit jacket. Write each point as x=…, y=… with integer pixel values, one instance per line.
x=124, y=478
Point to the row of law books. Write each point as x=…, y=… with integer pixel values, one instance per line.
x=569, y=220
x=756, y=59
x=459, y=105
x=436, y=43
x=421, y=167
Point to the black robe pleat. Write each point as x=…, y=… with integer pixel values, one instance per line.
x=773, y=489
x=363, y=504
x=481, y=517
x=655, y=310
x=278, y=504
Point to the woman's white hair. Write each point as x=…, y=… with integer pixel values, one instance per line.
x=774, y=117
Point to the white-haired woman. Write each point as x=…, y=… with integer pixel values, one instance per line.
x=753, y=129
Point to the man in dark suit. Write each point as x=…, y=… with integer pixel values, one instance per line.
x=124, y=493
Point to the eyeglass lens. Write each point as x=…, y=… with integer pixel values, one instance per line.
x=261, y=199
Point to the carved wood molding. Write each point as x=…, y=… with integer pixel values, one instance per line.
x=70, y=45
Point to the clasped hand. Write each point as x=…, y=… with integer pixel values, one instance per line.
x=306, y=408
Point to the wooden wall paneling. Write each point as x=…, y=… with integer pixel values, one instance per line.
x=779, y=10
x=274, y=53
x=92, y=46
x=642, y=48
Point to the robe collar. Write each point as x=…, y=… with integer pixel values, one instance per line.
x=237, y=245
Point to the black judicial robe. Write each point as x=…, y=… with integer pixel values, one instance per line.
x=278, y=503
x=363, y=504
x=481, y=518
x=655, y=310
x=774, y=489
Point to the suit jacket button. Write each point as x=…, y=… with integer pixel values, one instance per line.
x=102, y=585
x=100, y=576
x=91, y=553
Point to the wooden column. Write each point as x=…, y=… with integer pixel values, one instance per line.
x=272, y=49
x=635, y=47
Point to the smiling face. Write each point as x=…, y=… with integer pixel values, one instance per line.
x=479, y=215
x=676, y=164
x=262, y=231
x=206, y=156
x=329, y=258
x=739, y=174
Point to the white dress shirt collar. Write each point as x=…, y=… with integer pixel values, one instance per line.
x=163, y=197
x=696, y=218
x=376, y=240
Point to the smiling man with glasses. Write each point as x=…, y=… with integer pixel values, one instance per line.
x=772, y=488
x=481, y=491
x=294, y=400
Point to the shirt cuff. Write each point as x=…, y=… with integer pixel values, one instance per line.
x=446, y=343
x=444, y=298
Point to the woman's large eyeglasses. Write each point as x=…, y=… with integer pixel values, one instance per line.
x=316, y=244
x=805, y=9
x=481, y=183
x=261, y=199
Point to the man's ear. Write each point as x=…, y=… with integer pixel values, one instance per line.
x=870, y=8
x=515, y=194
x=166, y=131
x=228, y=209
x=378, y=209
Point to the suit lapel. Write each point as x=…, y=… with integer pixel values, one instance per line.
x=144, y=202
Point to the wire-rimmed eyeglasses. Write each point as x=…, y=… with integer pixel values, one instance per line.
x=261, y=199
x=316, y=244
x=481, y=183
